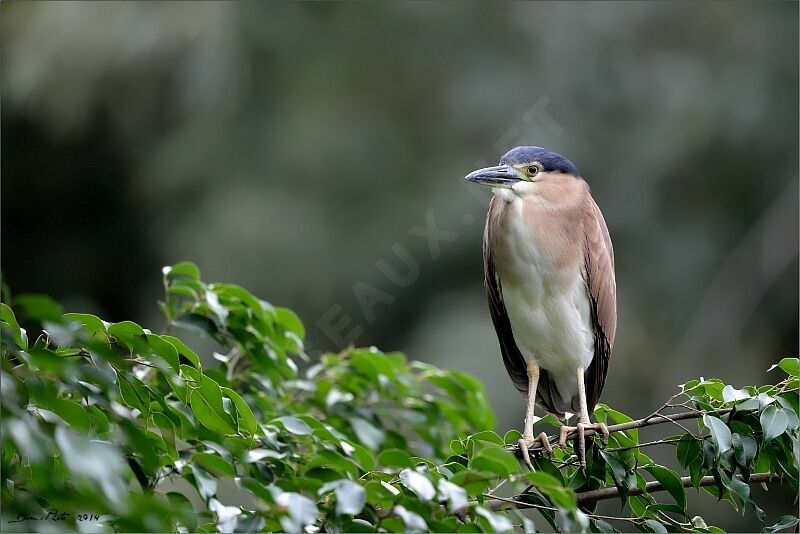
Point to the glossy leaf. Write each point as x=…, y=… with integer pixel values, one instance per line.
x=773, y=422
x=671, y=482
x=247, y=421
x=418, y=483
x=350, y=497
x=720, y=432
x=205, y=412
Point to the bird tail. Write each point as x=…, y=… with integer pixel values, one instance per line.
x=548, y=396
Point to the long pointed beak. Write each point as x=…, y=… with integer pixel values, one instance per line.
x=496, y=176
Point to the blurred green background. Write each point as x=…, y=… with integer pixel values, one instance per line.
x=315, y=154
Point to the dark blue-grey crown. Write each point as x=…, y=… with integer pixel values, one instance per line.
x=551, y=162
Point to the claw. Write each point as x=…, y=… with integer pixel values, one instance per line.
x=603, y=430
x=548, y=449
x=562, y=438
x=526, y=456
x=581, y=429
x=526, y=442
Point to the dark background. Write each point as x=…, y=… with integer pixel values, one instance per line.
x=305, y=150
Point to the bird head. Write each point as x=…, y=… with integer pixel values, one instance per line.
x=521, y=168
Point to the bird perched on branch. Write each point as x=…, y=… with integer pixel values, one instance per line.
x=549, y=276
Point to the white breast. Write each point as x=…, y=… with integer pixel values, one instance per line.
x=547, y=302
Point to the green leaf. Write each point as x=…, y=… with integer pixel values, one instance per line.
x=350, y=497
x=214, y=464
x=367, y=433
x=125, y=329
x=93, y=461
x=412, y=521
x=379, y=496
x=247, y=421
x=40, y=307
x=689, y=451
x=498, y=522
x=290, y=321
x=784, y=522
x=619, y=470
x=748, y=404
x=731, y=394
x=745, y=448
x=735, y=486
x=497, y=460
x=165, y=349
x=183, y=350
x=474, y=482
x=184, y=269
x=395, y=458
x=181, y=502
x=205, y=413
x=488, y=435
x=790, y=365
x=671, y=482
x=720, y=432
x=773, y=422
x=18, y=334
x=90, y=323
x=73, y=413
x=206, y=484
x=604, y=412
x=512, y=437
x=455, y=495
x=199, y=324
x=552, y=488
x=788, y=408
x=7, y=315
x=655, y=526
x=598, y=525
x=333, y=461
x=294, y=425
x=418, y=483
x=302, y=511
x=129, y=394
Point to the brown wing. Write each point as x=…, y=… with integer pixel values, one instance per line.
x=599, y=275
x=516, y=366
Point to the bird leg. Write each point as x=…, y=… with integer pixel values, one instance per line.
x=584, y=423
x=527, y=437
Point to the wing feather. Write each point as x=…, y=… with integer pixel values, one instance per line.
x=600, y=280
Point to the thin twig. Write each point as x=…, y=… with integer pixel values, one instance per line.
x=665, y=441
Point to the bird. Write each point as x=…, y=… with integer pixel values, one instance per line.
x=551, y=288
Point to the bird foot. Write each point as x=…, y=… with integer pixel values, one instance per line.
x=529, y=441
x=581, y=429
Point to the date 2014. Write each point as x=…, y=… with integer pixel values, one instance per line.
x=55, y=515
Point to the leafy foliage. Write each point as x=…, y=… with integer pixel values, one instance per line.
x=115, y=420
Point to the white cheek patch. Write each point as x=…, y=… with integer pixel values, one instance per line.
x=505, y=193
x=523, y=187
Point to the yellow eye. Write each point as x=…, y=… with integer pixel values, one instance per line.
x=532, y=170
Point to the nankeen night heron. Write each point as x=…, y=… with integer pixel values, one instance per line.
x=549, y=275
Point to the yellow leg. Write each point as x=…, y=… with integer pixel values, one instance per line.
x=527, y=435
x=583, y=422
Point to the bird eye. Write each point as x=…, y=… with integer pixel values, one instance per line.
x=533, y=169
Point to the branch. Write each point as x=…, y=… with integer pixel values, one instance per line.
x=601, y=494
x=611, y=492
x=650, y=420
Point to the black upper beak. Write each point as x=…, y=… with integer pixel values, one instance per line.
x=498, y=175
